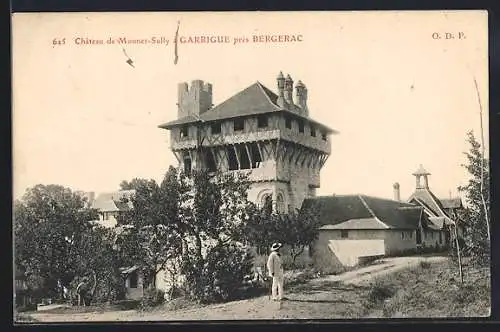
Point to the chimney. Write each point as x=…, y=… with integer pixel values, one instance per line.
x=91, y=196
x=281, y=87
x=289, y=90
x=196, y=99
x=397, y=196
x=301, y=99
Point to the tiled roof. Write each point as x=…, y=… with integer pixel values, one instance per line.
x=427, y=197
x=438, y=222
x=112, y=201
x=334, y=210
x=365, y=223
x=255, y=99
x=451, y=203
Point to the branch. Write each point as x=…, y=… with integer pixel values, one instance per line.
x=482, y=160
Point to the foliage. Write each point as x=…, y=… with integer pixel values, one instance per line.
x=296, y=230
x=191, y=226
x=50, y=226
x=150, y=236
x=58, y=245
x=152, y=298
x=474, y=217
x=214, y=215
x=379, y=291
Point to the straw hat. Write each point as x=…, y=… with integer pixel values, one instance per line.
x=276, y=246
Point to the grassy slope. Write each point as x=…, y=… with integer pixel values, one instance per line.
x=427, y=291
x=431, y=291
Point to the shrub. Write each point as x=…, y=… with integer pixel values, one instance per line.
x=424, y=264
x=465, y=294
x=152, y=297
x=222, y=274
x=380, y=291
x=175, y=292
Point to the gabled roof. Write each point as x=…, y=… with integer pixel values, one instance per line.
x=253, y=100
x=113, y=201
x=439, y=222
x=426, y=197
x=360, y=211
x=451, y=203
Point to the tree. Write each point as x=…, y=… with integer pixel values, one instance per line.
x=133, y=184
x=152, y=236
x=213, y=216
x=50, y=223
x=475, y=217
x=298, y=230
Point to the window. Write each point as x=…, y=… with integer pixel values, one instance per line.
x=313, y=131
x=105, y=216
x=344, y=233
x=184, y=131
x=323, y=136
x=187, y=166
x=239, y=124
x=301, y=126
x=403, y=235
x=262, y=121
x=133, y=279
x=411, y=235
x=440, y=238
x=233, y=162
x=288, y=122
x=210, y=161
x=267, y=204
x=216, y=128
x=254, y=152
x=280, y=203
x=242, y=153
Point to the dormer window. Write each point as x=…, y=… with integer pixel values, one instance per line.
x=301, y=126
x=184, y=131
x=239, y=124
x=216, y=128
x=262, y=121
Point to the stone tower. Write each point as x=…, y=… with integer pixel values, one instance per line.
x=268, y=135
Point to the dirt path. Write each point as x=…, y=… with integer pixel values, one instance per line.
x=329, y=297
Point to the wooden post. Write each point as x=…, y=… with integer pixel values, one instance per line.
x=237, y=156
x=458, y=254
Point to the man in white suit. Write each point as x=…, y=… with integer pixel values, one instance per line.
x=275, y=268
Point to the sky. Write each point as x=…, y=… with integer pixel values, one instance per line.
x=85, y=119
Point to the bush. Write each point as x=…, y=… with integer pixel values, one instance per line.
x=465, y=294
x=152, y=297
x=380, y=291
x=221, y=275
x=425, y=264
x=175, y=292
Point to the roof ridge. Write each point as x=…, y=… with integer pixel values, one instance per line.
x=434, y=198
x=262, y=87
x=371, y=211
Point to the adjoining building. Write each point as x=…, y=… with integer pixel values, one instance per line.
x=111, y=204
x=355, y=228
